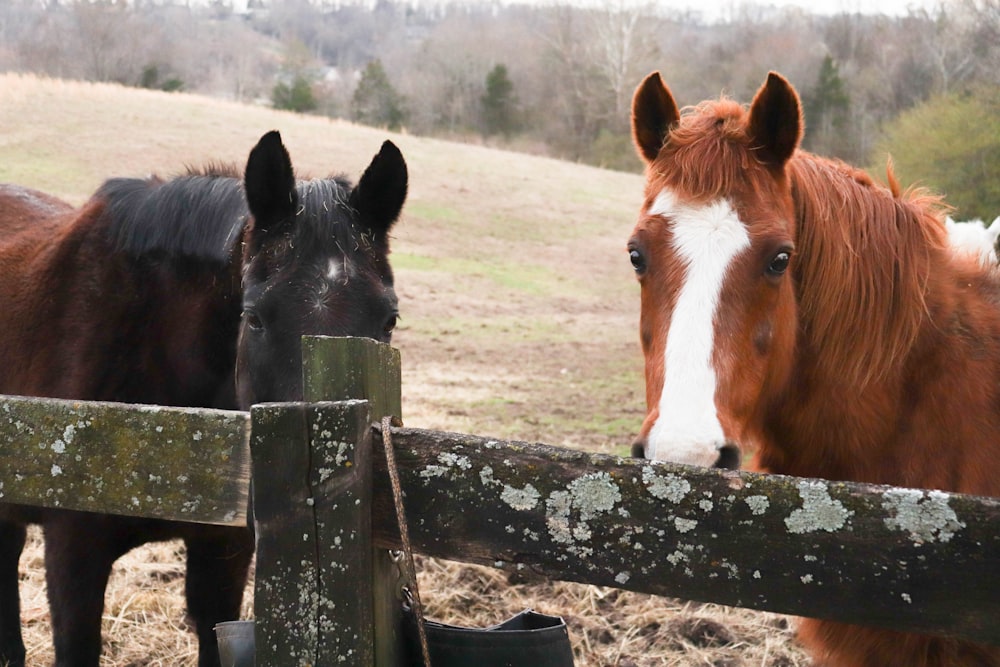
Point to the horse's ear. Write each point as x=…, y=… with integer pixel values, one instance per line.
x=776, y=120
x=654, y=111
x=379, y=195
x=270, y=184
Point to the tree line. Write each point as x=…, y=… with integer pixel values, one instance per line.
x=553, y=79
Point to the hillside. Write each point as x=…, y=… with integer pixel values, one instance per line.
x=519, y=320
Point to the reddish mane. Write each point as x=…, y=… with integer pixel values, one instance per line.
x=865, y=257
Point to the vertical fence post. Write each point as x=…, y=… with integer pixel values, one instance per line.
x=341, y=369
x=312, y=508
x=337, y=369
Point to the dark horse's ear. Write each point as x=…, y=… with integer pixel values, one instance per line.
x=653, y=113
x=379, y=195
x=270, y=184
x=775, y=125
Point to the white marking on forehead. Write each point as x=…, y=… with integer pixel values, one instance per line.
x=707, y=238
x=333, y=270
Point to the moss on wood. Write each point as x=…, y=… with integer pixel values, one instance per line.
x=149, y=461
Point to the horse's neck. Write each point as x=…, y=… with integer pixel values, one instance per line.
x=932, y=421
x=878, y=297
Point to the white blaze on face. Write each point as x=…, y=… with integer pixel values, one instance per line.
x=707, y=239
x=333, y=270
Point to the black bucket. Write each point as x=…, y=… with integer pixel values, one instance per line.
x=529, y=639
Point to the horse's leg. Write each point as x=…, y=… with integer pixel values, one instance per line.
x=12, y=536
x=79, y=553
x=218, y=560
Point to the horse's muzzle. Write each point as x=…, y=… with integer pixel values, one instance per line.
x=730, y=457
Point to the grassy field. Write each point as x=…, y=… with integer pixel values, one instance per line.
x=519, y=320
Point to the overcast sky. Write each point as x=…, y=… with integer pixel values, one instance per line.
x=823, y=6
x=714, y=9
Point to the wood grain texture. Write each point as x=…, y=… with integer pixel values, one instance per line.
x=183, y=464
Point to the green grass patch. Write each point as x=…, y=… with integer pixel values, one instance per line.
x=525, y=278
x=434, y=210
x=494, y=333
x=44, y=169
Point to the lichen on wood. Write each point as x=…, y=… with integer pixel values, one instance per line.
x=903, y=558
x=173, y=463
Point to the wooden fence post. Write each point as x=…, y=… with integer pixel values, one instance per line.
x=336, y=369
x=343, y=369
x=312, y=508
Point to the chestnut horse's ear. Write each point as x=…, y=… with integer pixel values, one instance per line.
x=379, y=195
x=653, y=113
x=775, y=125
x=269, y=183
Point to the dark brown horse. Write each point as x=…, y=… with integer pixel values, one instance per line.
x=150, y=293
x=796, y=310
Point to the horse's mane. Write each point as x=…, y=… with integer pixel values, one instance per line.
x=864, y=256
x=198, y=215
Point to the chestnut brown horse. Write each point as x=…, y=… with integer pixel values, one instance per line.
x=188, y=292
x=793, y=309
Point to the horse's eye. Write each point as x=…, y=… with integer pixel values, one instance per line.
x=253, y=320
x=779, y=263
x=390, y=325
x=638, y=261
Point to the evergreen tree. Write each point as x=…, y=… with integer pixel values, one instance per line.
x=375, y=101
x=498, y=103
x=295, y=97
x=826, y=110
x=294, y=90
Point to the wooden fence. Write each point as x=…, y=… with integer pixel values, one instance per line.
x=327, y=592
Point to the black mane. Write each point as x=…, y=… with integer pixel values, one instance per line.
x=196, y=216
x=200, y=215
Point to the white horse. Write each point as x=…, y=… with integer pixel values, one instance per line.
x=975, y=238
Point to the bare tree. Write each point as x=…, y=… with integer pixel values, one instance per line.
x=113, y=42
x=624, y=47
x=982, y=20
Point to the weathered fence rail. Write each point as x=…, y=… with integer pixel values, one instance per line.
x=141, y=460
x=900, y=558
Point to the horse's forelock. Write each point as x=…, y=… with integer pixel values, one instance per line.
x=709, y=154
x=325, y=216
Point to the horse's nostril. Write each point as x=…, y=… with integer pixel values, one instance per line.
x=639, y=449
x=729, y=457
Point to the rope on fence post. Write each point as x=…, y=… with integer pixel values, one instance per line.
x=404, y=534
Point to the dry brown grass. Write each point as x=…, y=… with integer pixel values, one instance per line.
x=518, y=320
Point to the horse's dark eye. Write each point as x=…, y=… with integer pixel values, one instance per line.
x=638, y=261
x=779, y=263
x=390, y=325
x=253, y=320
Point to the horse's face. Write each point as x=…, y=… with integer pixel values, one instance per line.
x=713, y=250
x=315, y=263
